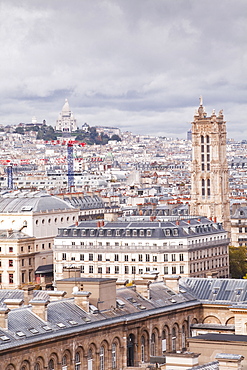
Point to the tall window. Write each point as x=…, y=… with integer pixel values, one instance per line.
x=51, y=365
x=183, y=337
x=64, y=363
x=11, y=278
x=153, y=345
x=174, y=337
x=203, y=187
x=142, y=349
x=102, y=358
x=36, y=367
x=114, y=355
x=164, y=341
x=90, y=360
x=208, y=187
x=77, y=361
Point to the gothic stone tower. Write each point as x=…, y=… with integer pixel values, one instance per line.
x=209, y=172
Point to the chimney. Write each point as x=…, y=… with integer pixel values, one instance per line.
x=172, y=282
x=142, y=287
x=40, y=308
x=82, y=300
x=4, y=317
x=56, y=295
x=177, y=222
x=229, y=361
x=215, y=219
x=13, y=303
x=28, y=293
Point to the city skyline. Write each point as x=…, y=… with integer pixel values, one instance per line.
x=139, y=66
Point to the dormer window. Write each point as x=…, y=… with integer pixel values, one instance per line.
x=134, y=233
x=74, y=232
x=167, y=232
x=149, y=232
x=141, y=232
x=127, y=232
x=101, y=233
x=175, y=232
x=83, y=233
x=91, y=232
x=109, y=233
x=65, y=232
x=117, y=232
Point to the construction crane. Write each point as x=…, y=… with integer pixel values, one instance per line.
x=70, y=158
x=70, y=161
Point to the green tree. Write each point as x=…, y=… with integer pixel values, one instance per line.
x=115, y=137
x=20, y=130
x=238, y=261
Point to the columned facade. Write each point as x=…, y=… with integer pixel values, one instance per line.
x=209, y=172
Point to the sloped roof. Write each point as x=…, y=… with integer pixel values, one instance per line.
x=31, y=202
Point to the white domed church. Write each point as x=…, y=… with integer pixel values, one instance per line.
x=66, y=121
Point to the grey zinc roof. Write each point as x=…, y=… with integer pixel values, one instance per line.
x=86, y=202
x=209, y=366
x=35, y=202
x=64, y=316
x=183, y=228
x=217, y=290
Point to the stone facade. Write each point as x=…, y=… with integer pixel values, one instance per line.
x=209, y=172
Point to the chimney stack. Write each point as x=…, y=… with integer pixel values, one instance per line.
x=56, y=295
x=40, y=308
x=4, y=317
x=13, y=303
x=28, y=294
x=228, y=361
x=82, y=300
x=172, y=282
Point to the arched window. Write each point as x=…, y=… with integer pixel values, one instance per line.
x=142, y=349
x=64, y=363
x=202, y=139
x=164, y=341
x=131, y=350
x=90, y=360
x=174, y=337
x=102, y=358
x=153, y=345
x=114, y=355
x=183, y=337
x=51, y=365
x=77, y=361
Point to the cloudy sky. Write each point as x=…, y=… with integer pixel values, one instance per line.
x=140, y=65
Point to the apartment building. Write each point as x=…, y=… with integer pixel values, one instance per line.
x=128, y=250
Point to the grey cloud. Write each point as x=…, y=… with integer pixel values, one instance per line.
x=140, y=64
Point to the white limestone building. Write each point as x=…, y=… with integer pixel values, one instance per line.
x=66, y=121
x=128, y=250
x=28, y=224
